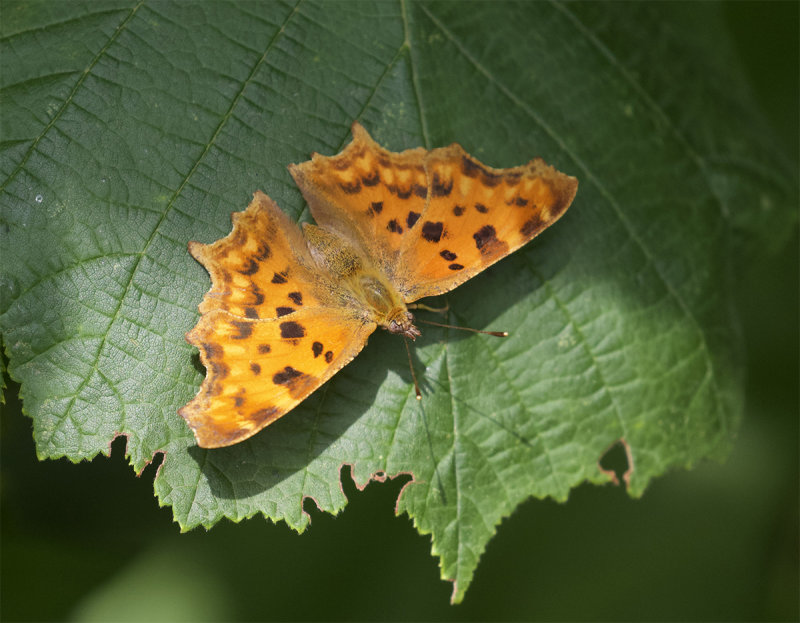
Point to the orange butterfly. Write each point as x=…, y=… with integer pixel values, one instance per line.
x=288, y=309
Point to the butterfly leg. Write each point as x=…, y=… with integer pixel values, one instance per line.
x=437, y=310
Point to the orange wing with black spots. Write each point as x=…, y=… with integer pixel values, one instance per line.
x=272, y=328
x=262, y=269
x=366, y=194
x=260, y=369
x=475, y=216
x=430, y=219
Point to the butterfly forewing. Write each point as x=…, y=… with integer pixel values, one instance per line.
x=262, y=268
x=475, y=216
x=370, y=196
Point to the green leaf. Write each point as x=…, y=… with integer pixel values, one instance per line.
x=130, y=128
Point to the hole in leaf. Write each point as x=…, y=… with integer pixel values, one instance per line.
x=617, y=462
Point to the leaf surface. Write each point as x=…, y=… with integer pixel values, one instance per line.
x=130, y=128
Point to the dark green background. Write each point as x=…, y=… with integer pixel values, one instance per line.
x=721, y=542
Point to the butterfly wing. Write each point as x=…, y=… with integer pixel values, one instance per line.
x=258, y=370
x=474, y=216
x=262, y=269
x=366, y=194
x=430, y=220
x=271, y=330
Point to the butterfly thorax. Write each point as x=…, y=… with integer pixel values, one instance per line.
x=365, y=286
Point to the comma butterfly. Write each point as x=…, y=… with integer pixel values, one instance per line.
x=288, y=309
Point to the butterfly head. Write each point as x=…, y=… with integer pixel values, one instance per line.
x=402, y=322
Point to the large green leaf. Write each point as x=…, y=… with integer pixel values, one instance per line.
x=129, y=129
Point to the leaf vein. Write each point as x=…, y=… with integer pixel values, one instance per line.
x=612, y=201
x=84, y=75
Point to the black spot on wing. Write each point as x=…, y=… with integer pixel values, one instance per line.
x=279, y=277
x=263, y=252
x=258, y=295
x=512, y=179
x=213, y=351
x=264, y=348
x=224, y=275
x=481, y=208
x=329, y=356
x=411, y=219
x=265, y=415
x=394, y=227
x=432, y=232
x=317, y=348
x=291, y=330
x=531, y=226
x=255, y=368
x=251, y=312
x=244, y=328
x=474, y=170
x=283, y=311
x=251, y=268
x=214, y=360
x=351, y=188
x=441, y=188
x=297, y=297
x=491, y=179
x=371, y=179
x=286, y=376
x=484, y=236
x=469, y=168
x=340, y=164
x=448, y=255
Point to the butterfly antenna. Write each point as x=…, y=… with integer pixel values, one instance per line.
x=450, y=326
x=411, y=365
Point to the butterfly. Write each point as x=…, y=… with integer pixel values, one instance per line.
x=288, y=308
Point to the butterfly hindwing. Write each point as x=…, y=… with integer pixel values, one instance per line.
x=271, y=329
x=257, y=370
